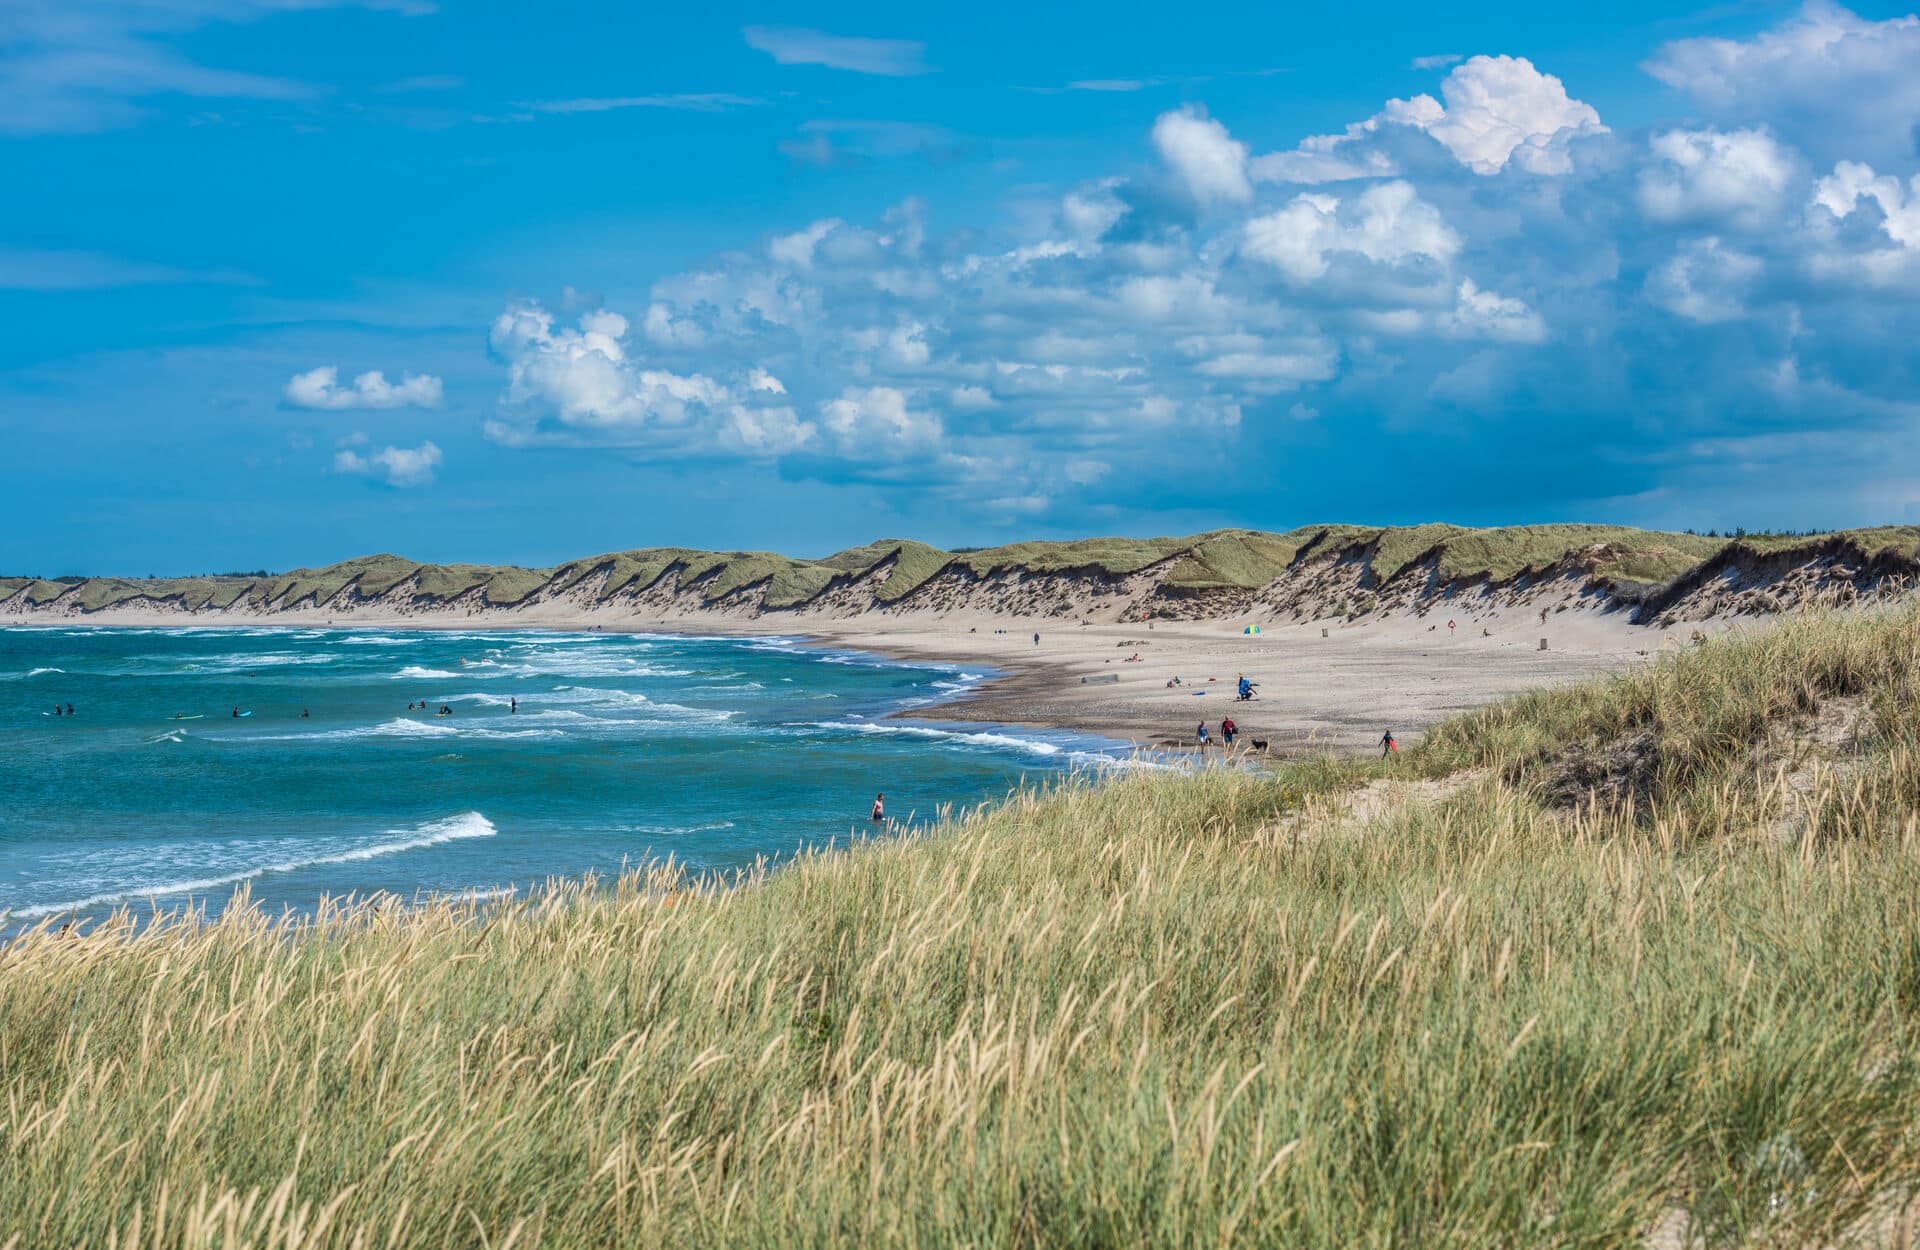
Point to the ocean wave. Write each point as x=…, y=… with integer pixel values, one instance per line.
x=418, y=673
x=243, y=662
x=592, y=694
x=30, y=673
x=432, y=833
x=401, y=727
x=375, y=640
x=983, y=738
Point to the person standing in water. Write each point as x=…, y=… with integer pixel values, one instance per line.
x=513, y=703
x=879, y=808
x=1200, y=736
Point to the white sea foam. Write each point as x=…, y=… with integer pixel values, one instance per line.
x=983, y=738
x=400, y=727
x=667, y=831
x=376, y=640
x=418, y=673
x=35, y=672
x=246, y=662
x=433, y=833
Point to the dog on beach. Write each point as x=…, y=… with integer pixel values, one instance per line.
x=1259, y=744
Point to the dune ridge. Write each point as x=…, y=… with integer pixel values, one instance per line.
x=1312, y=573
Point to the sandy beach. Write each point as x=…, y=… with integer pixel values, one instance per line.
x=1327, y=686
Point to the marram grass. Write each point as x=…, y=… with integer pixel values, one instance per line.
x=1212, y=1010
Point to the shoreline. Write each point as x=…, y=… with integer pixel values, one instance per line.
x=1333, y=685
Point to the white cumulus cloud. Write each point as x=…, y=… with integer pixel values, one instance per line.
x=1704, y=175
x=1479, y=314
x=398, y=466
x=1497, y=111
x=1833, y=81
x=580, y=383
x=320, y=388
x=876, y=423
x=1209, y=162
x=1388, y=223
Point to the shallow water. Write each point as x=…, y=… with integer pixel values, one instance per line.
x=624, y=748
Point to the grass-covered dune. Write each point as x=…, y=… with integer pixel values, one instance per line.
x=1630, y=963
x=1218, y=571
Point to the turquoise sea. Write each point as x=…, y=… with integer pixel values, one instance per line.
x=625, y=748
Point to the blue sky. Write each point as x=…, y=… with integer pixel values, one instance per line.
x=283, y=281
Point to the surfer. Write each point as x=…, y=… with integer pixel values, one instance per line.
x=69, y=709
x=236, y=713
x=879, y=807
x=513, y=703
x=305, y=714
x=1387, y=745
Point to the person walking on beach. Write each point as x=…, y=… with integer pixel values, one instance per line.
x=1200, y=736
x=1036, y=640
x=1227, y=730
x=1387, y=745
x=879, y=808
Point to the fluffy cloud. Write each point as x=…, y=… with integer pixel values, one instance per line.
x=875, y=423
x=320, y=388
x=1498, y=111
x=1389, y=224
x=1209, y=162
x=1491, y=252
x=397, y=466
x=1852, y=185
x=1867, y=226
x=1479, y=314
x=1740, y=176
x=1836, y=83
x=580, y=384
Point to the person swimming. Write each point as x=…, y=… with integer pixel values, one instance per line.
x=879, y=807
